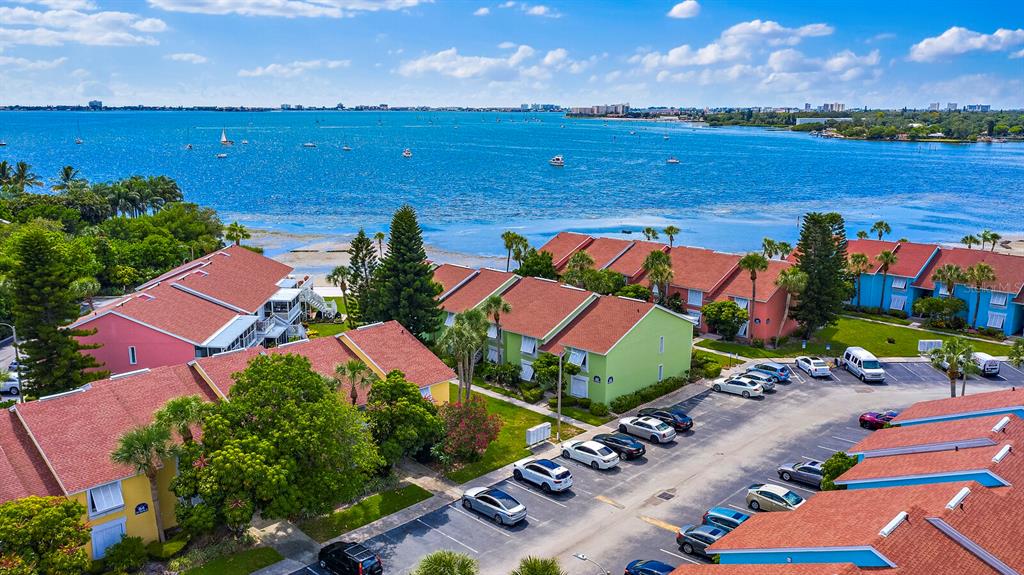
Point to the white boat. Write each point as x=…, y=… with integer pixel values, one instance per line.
x=224, y=141
x=188, y=146
x=407, y=153
x=672, y=160
x=221, y=156
x=2, y=143
x=78, y=141
x=244, y=142
x=558, y=161
x=309, y=145
x=346, y=149
x=665, y=137
x=632, y=132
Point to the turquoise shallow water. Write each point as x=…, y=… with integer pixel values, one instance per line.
x=471, y=176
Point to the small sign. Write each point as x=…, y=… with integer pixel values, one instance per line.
x=803, y=344
x=828, y=347
x=141, y=508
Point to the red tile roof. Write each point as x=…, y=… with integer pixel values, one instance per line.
x=739, y=284
x=604, y=251
x=390, y=346
x=911, y=258
x=451, y=275
x=22, y=469
x=1009, y=269
x=599, y=327
x=563, y=245
x=631, y=263
x=539, y=305
x=976, y=402
x=237, y=277
x=473, y=292
x=961, y=430
x=700, y=269
x=870, y=248
x=76, y=432
x=1010, y=468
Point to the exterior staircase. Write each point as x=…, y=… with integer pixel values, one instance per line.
x=329, y=309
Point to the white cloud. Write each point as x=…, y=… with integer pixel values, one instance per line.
x=482, y=11
x=450, y=63
x=959, y=40
x=532, y=9
x=293, y=69
x=556, y=57
x=506, y=45
x=187, y=57
x=1018, y=54
x=30, y=65
x=20, y=25
x=284, y=8
x=685, y=9
x=62, y=4
x=880, y=37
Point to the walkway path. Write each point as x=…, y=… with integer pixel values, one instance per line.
x=534, y=408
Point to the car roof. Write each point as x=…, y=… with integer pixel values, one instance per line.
x=726, y=512
x=546, y=463
x=709, y=530
x=772, y=488
x=772, y=364
x=591, y=444
x=651, y=563
x=650, y=420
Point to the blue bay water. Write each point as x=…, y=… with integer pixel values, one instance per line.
x=471, y=176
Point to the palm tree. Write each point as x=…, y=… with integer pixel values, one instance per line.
x=979, y=275
x=340, y=276
x=538, y=566
x=236, y=232
x=1016, y=355
x=511, y=240
x=886, y=259
x=181, y=414
x=671, y=232
x=881, y=227
x=462, y=343
x=579, y=263
x=862, y=235
x=956, y=359
x=783, y=249
x=753, y=263
x=970, y=240
x=650, y=233
x=948, y=275
x=122, y=198
x=769, y=247
x=520, y=249
x=23, y=177
x=859, y=265
x=165, y=189
x=379, y=237
x=65, y=178
x=994, y=238
x=493, y=307
x=658, y=267
x=6, y=173
x=86, y=288
x=358, y=375
x=794, y=281
x=985, y=236
x=144, y=448
x=447, y=562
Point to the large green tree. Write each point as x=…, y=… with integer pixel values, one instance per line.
x=143, y=449
x=956, y=359
x=402, y=421
x=821, y=254
x=362, y=264
x=537, y=264
x=403, y=285
x=45, y=267
x=43, y=535
x=462, y=343
x=725, y=317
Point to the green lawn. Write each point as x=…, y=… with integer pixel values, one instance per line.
x=241, y=563
x=722, y=360
x=363, y=513
x=511, y=443
x=851, y=332
x=879, y=317
x=329, y=329
x=585, y=416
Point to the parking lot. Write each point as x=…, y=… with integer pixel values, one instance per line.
x=632, y=512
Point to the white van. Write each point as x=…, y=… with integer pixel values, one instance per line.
x=863, y=364
x=986, y=363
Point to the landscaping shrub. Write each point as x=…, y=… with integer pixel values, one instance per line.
x=202, y=555
x=599, y=409
x=991, y=332
x=624, y=403
x=713, y=370
x=506, y=374
x=898, y=313
x=532, y=394
x=485, y=369
x=890, y=340
x=757, y=342
x=553, y=403
x=126, y=556
x=583, y=402
x=627, y=402
x=833, y=467
x=163, y=551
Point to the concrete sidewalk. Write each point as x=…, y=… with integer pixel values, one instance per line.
x=543, y=410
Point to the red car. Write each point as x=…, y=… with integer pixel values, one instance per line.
x=877, y=419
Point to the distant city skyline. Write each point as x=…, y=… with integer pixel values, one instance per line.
x=506, y=53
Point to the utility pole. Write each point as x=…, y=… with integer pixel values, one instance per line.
x=558, y=433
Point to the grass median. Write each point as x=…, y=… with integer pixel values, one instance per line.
x=241, y=563
x=365, y=512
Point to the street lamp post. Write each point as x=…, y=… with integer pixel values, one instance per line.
x=558, y=433
x=583, y=557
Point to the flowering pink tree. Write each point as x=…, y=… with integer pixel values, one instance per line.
x=468, y=428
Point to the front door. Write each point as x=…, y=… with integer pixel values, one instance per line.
x=578, y=386
x=105, y=535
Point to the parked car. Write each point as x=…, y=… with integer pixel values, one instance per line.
x=648, y=567
x=695, y=539
x=501, y=507
x=770, y=497
x=596, y=455
x=349, y=558
x=862, y=364
x=544, y=473
x=807, y=471
x=813, y=366
x=626, y=446
x=672, y=415
x=10, y=384
x=767, y=382
x=648, y=428
x=724, y=518
x=739, y=385
x=877, y=419
x=779, y=371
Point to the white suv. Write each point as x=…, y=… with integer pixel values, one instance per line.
x=544, y=473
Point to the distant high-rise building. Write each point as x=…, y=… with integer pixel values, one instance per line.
x=286, y=106
x=807, y=106
x=977, y=108
x=95, y=105
x=833, y=107
x=952, y=106
x=934, y=107
x=524, y=107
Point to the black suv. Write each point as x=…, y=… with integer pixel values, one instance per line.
x=350, y=558
x=674, y=416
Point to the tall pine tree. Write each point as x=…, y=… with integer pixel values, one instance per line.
x=45, y=265
x=821, y=254
x=362, y=264
x=403, y=285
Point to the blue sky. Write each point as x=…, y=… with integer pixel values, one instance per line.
x=405, y=52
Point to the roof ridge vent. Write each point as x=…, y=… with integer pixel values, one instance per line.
x=958, y=499
x=374, y=324
x=1002, y=453
x=1001, y=426
x=148, y=296
x=82, y=389
x=546, y=280
x=893, y=524
x=128, y=373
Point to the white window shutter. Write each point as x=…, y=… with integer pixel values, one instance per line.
x=899, y=283
x=995, y=320
x=492, y=331
x=898, y=302
x=577, y=357
x=695, y=298
x=529, y=345
x=450, y=320
x=998, y=299
x=527, y=371
x=492, y=354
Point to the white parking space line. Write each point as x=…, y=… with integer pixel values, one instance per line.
x=678, y=556
x=844, y=439
x=828, y=448
x=743, y=509
x=432, y=528
x=480, y=521
x=793, y=485
x=581, y=490
x=532, y=492
x=731, y=495
x=1011, y=368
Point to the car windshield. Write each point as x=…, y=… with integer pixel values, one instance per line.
x=871, y=364
x=662, y=426
x=817, y=363
x=604, y=451
x=792, y=498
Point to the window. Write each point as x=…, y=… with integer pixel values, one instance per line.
x=743, y=329
x=492, y=354
x=661, y=372
x=492, y=331
x=526, y=368
x=694, y=298
x=449, y=320
x=742, y=302
x=899, y=283
x=695, y=315
x=105, y=535
x=529, y=345
x=943, y=290
x=661, y=344
x=898, y=302
x=425, y=393
x=998, y=299
x=132, y=359
x=577, y=357
x=105, y=498
x=996, y=319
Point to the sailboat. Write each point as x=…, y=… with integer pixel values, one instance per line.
x=78, y=135
x=309, y=144
x=224, y=141
x=672, y=160
x=346, y=148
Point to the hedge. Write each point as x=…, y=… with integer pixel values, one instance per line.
x=624, y=403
